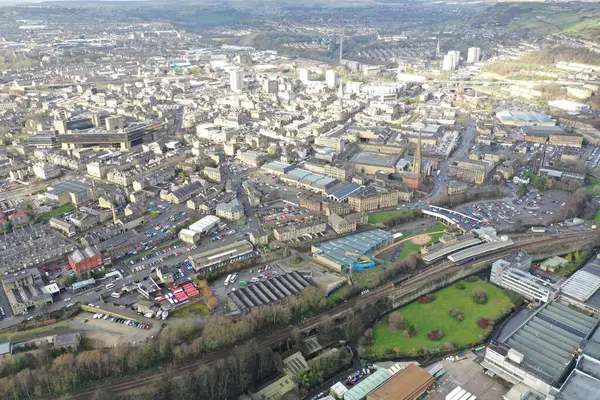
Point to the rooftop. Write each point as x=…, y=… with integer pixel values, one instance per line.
x=346, y=250
x=581, y=286
x=548, y=340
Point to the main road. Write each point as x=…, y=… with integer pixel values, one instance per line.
x=523, y=241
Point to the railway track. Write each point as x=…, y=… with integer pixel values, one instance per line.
x=436, y=269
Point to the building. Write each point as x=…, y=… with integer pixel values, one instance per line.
x=232, y=211
x=204, y=225
x=568, y=106
x=312, y=203
x=236, y=80
x=76, y=192
x=69, y=341
x=183, y=193
x=292, y=232
x=412, y=180
x=165, y=275
x=457, y=187
x=304, y=75
x=308, y=180
x=510, y=275
x=342, y=254
x=6, y=348
x=340, y=225
x=373, y=198
x=214, y=174
x=473, y=55
x=524, y=118
x=540, y=353
x=275, y=390
x=85, y=260
x=189, y=236
x=408, y=384
x=62, y=226
x=46, y=170
x=331, y=78
x=132, y=135
x=223, y=255
x=24, y=291
x=448, y=63
x=130, y=222
x=470, y=170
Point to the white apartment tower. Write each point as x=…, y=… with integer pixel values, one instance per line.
x=236, y=80
x=304, y=76
x=474, y=55
x=456, y=55
x=331, y=78
x=448, y=64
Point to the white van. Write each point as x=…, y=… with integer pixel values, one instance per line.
x=110, y=286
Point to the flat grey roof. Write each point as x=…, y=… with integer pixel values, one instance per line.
x=477, y=250
x=580, y=386
x=581, y=286
x=548, y=339
x=344, y=251
x=445, y=250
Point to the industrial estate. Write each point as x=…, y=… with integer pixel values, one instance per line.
x=362, y=200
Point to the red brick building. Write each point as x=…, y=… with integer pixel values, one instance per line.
x=86, y=259
x=413, y=181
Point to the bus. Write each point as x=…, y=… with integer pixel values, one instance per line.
x=228, y=280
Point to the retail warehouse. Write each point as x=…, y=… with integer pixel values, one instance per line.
x=343, y=253
x=223, y=255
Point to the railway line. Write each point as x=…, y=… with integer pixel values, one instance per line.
x=528, y=241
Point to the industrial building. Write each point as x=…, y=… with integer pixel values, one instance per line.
x=582, y=288
x=523, y=118
x=205, y=224
x=308, y=180
x=540, y=353
x=408, y=384
x=343, y=253
x=268, y=291
x=471, y=170
x=223, y=255
x=123, y=139
x=507, y=275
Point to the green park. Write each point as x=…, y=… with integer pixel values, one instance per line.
x=459, y=315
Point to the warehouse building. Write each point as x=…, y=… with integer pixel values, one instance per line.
x=523, y=118
x=541, y=352
x=204, y=225
x=341, y=254
x=408, y=384
x=223, y=255
x=582, y=289
x=308, y=180
x=269, y=291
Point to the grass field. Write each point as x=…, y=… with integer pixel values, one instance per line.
x=383, y=216
x=54, y=329
x=434, y=315
x=195, y=308
x=410, y=247
x=597, y=216
x=65, y=208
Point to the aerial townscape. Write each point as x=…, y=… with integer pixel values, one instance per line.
x=265, y=200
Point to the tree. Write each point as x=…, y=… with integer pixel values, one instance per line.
x=212, y=303
x=8, y=227
x=396, y=321
x=522, y=190
x=483, y=323
x=29, y=210
x=479, y=295
x=435, y=334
